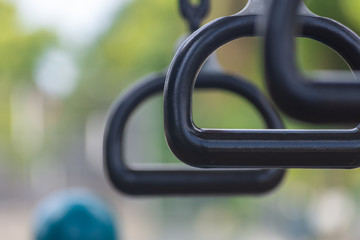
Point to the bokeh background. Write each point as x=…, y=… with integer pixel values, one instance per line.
x=63, y=63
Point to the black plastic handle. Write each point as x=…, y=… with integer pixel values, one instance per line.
x=300, y=96
x=211, y=148
x=166, y=182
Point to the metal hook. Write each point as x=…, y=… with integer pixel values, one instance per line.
x=210, y=148
x=301, y=97
x=261, y=7
x=169, y=182
x=194, y=14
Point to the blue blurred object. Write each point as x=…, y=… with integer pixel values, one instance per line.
x=74, y=215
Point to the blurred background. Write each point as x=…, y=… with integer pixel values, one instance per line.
x=63, y=63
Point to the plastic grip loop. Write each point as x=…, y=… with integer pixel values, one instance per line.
x=184, y=182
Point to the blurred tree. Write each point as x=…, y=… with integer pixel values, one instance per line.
x=19, y=51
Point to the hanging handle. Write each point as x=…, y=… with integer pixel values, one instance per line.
x=184, y=182
x=302, y=97
x=211, y=148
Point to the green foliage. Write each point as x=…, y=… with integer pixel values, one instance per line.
x=19, y=51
